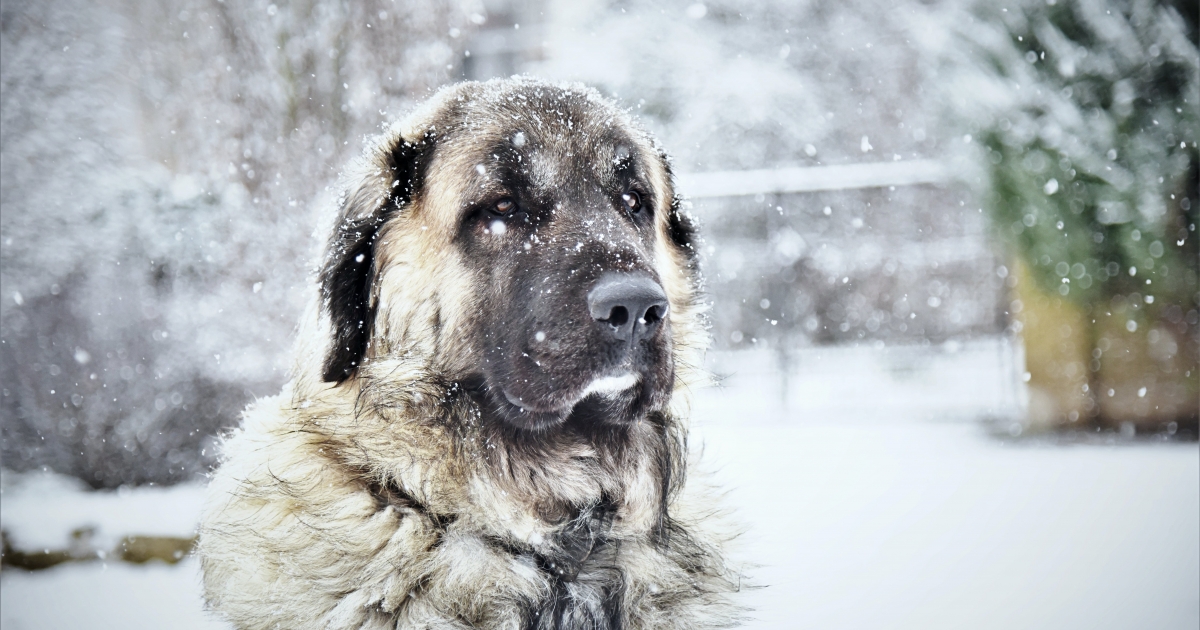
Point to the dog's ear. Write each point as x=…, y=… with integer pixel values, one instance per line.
x=348, y=270
x=681, y=226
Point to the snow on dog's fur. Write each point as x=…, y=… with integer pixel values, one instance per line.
x=473, y=437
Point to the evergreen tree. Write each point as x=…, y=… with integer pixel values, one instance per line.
x=1085, y=117
x=1093, y=158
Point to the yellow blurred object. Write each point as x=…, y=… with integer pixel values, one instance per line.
x=1118, y=366
x=1057, y=354
x=143, y=549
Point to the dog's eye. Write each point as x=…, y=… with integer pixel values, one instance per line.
x=504, y=207
x=633, y=202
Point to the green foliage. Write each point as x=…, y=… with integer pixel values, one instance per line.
x=1090, y=131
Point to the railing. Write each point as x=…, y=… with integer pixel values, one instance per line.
x=813, y=178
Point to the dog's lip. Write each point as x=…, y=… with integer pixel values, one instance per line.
x=607, y=385
x=517, y=402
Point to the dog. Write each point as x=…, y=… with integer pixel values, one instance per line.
x=485, y=424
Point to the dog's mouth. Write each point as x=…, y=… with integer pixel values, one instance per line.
x=618, y=390
x=605, y=386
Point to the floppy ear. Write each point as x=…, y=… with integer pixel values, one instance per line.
x=681, y=226
x=348, y=270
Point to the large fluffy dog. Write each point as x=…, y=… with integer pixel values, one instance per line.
x=484, y=426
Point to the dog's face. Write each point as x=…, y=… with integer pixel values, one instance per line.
x=524, y=240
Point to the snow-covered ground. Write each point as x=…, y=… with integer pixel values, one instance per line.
x=940, y=526
x=40, y=511
x=874, y=498
x=871, y=500
x=105, y=596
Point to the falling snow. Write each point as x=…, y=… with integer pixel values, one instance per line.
x=169, y=168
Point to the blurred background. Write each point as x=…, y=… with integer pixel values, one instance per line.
x=950, y=247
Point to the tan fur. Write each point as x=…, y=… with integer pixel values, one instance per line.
x=380, y=502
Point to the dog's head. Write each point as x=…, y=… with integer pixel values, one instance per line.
x=525, y=240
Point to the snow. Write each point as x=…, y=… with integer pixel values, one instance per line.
x=139, y=317
x=929, y=526
x=105, y=596
x=862, y=509
x=42, y=509
x=873, y=498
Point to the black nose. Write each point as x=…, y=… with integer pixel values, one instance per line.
x=630, y=305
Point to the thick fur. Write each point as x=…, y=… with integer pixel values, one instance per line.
x=429, y=465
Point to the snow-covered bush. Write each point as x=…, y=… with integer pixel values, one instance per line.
x=1088, y=114
x=160, y=166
